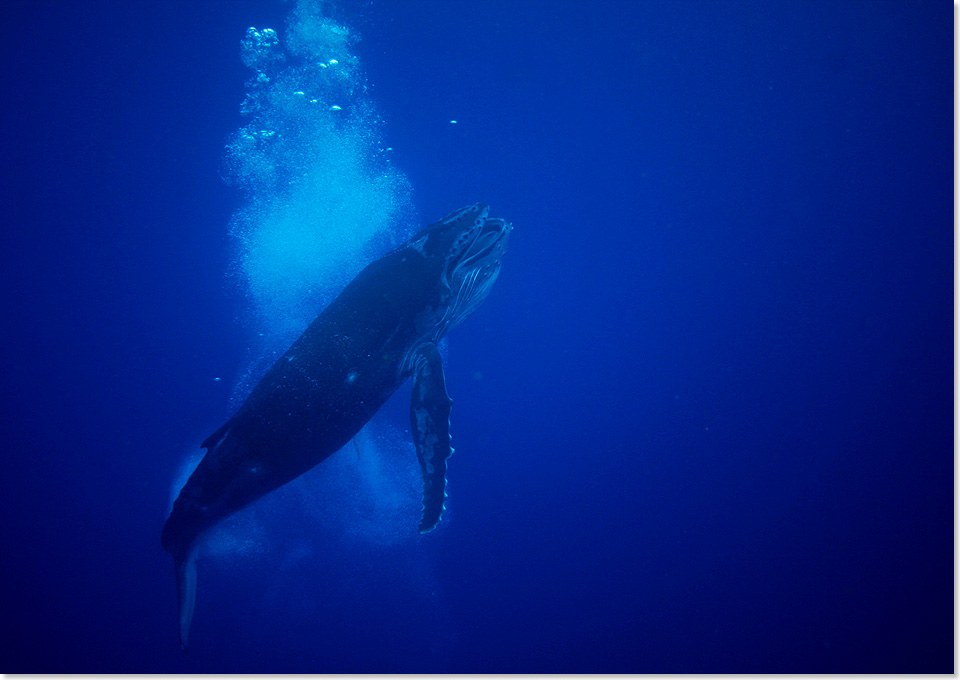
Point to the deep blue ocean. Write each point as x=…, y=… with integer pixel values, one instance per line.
x=703, y=423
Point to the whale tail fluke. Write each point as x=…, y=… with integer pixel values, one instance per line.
x=179, y=538
x=186, y=570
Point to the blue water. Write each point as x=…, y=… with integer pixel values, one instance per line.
x=703, y=423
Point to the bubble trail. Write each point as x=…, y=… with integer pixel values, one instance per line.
x=321, y=197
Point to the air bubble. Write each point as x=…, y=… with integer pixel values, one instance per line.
x=321, y=198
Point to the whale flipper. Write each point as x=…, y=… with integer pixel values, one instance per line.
x=430, y=424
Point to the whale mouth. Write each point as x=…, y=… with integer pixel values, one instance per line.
x=490, y=241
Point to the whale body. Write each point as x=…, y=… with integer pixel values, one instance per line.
x=381, y=330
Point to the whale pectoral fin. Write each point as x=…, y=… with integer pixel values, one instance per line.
x=430, y=424
x=186, y=569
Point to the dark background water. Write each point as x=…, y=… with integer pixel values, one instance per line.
x=704, y=421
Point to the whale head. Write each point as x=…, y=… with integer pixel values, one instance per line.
x=469, y=247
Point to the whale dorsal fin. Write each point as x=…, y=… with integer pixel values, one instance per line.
x=217, y=436
x=430, y=424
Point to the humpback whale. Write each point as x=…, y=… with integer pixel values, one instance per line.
x=382, y=329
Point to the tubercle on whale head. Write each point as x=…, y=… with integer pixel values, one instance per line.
x=463, y=239
x=451, y=235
